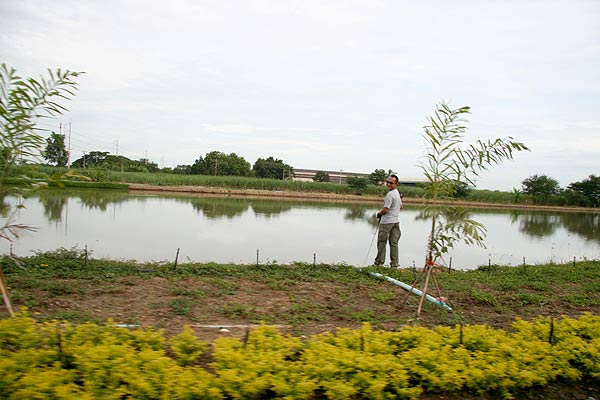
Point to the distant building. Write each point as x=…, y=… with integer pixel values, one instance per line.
x=307, y=175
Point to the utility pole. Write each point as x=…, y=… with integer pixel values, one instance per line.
x=117, y=148
x=69, y=150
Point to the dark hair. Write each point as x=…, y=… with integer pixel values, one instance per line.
x=395, y=177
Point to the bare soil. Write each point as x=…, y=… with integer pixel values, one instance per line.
x=230, y=307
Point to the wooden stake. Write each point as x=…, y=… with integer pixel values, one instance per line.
x=176, y=257
x=4, y=290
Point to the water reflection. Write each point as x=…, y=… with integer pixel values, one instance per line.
x=536, y=224
x=230, y=208
x=586, y=225
x=288, y=230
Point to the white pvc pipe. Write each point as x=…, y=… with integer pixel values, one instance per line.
x=413, y=290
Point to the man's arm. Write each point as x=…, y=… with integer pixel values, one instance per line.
x=382, y=212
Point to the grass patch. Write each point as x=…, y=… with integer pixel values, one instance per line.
x=75, y=316
x=238, y=310
x=181, y=306
x=524, y=299
x=197, y=293
x=304, y=310
x=483, y=297
x=581, y=300
x=224, y=287
x=383, y=296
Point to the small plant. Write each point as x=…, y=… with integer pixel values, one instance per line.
x=75, y=316
x=187, y=348
x=238, y=310
x=581, y=300
x=383, y=296
x=224, y=287
x=181, y=306
x=524, y=299
x=484, y=297
x=198, y=293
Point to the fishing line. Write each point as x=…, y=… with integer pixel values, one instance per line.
x=372, y=240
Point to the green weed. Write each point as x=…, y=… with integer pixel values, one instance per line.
x=198, y=293
x=238, y=310
x=524, y=299
x=581, y=300
x=181, y=306
x=383, y=296
x=75, y=316
x=483, y=297
x=224, y=287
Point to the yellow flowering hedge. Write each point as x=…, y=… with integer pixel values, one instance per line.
x=58, y=360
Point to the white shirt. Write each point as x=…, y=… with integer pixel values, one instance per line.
x=393, y=203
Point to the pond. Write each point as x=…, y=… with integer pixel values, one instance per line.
x=120, y=225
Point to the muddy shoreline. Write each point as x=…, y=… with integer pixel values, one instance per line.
x=205, y=191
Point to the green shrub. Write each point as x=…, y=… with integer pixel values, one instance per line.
x=60, y=360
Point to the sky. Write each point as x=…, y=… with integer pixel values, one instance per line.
x=327, y=85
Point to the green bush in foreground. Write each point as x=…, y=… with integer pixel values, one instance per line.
x=63, y=361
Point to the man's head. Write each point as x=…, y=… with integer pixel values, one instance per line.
x=391, y=182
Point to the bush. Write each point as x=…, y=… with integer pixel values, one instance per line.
x=60, y=360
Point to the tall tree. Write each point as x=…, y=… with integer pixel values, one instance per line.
x=540, y=187
x=321, y=176
x=272, y=168
x=378, y=176
x=221, y=164
x=590, y=188
x=55, y=151
x=90, y=159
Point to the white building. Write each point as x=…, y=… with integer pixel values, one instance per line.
x=307, y=175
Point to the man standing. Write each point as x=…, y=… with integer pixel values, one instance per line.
x=389, y=223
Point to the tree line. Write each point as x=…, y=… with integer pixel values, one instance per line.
x=213, y=163
x=546, y=190
x=540, y=189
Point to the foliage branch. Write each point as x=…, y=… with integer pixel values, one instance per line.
x=23, y=102
x=447, y=167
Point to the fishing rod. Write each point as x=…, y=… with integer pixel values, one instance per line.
x=372, y=240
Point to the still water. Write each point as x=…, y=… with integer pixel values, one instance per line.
x=119, y=225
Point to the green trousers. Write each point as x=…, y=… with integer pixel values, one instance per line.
x=388, y=233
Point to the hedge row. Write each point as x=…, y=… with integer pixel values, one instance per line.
x=63, y=361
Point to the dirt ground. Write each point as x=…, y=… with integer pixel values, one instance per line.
x=232, y=307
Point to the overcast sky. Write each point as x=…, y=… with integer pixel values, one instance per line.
x=322, y=84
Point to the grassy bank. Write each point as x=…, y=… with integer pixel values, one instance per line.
x=309, y=295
